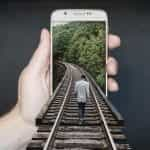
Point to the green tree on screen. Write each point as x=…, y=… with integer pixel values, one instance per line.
x=82, y=43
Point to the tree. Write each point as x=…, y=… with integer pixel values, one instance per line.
x=83, y=43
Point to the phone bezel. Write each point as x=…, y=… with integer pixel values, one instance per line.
x=77, y=15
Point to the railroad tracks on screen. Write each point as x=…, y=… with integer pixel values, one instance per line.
x=58, y=121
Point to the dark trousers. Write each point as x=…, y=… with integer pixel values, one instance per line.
x=81, y=109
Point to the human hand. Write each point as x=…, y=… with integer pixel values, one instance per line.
x=33, y=89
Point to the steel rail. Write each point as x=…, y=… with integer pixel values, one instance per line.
x=43, y=110
x=49, y=140
x=112, y=143
x=116, y=114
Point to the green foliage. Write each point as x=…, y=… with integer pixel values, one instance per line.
x=82, y=43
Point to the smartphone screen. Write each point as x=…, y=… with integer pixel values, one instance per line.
x=80, y=42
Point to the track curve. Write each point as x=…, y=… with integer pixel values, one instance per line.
x=59, y=126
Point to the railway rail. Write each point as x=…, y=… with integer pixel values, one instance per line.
x=58, y=122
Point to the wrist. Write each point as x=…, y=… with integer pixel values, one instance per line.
x=18, y=114
x=15, y=117
x=14, y=128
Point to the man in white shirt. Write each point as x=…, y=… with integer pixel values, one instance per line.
x=82, y=92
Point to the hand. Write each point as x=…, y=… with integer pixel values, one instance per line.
x=33, y=89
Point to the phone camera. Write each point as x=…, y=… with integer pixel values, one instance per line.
x=89, y=13
x=65, y=13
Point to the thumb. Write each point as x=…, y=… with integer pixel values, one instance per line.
x=41, y=57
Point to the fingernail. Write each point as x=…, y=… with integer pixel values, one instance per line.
x=43, y=34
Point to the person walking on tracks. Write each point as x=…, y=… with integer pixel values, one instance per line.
x=82, y=92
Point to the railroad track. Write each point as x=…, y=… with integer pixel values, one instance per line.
x=58, y=122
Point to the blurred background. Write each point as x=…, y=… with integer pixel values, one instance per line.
x=20, y=25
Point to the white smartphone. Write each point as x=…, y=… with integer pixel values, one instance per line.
x=79, y=36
